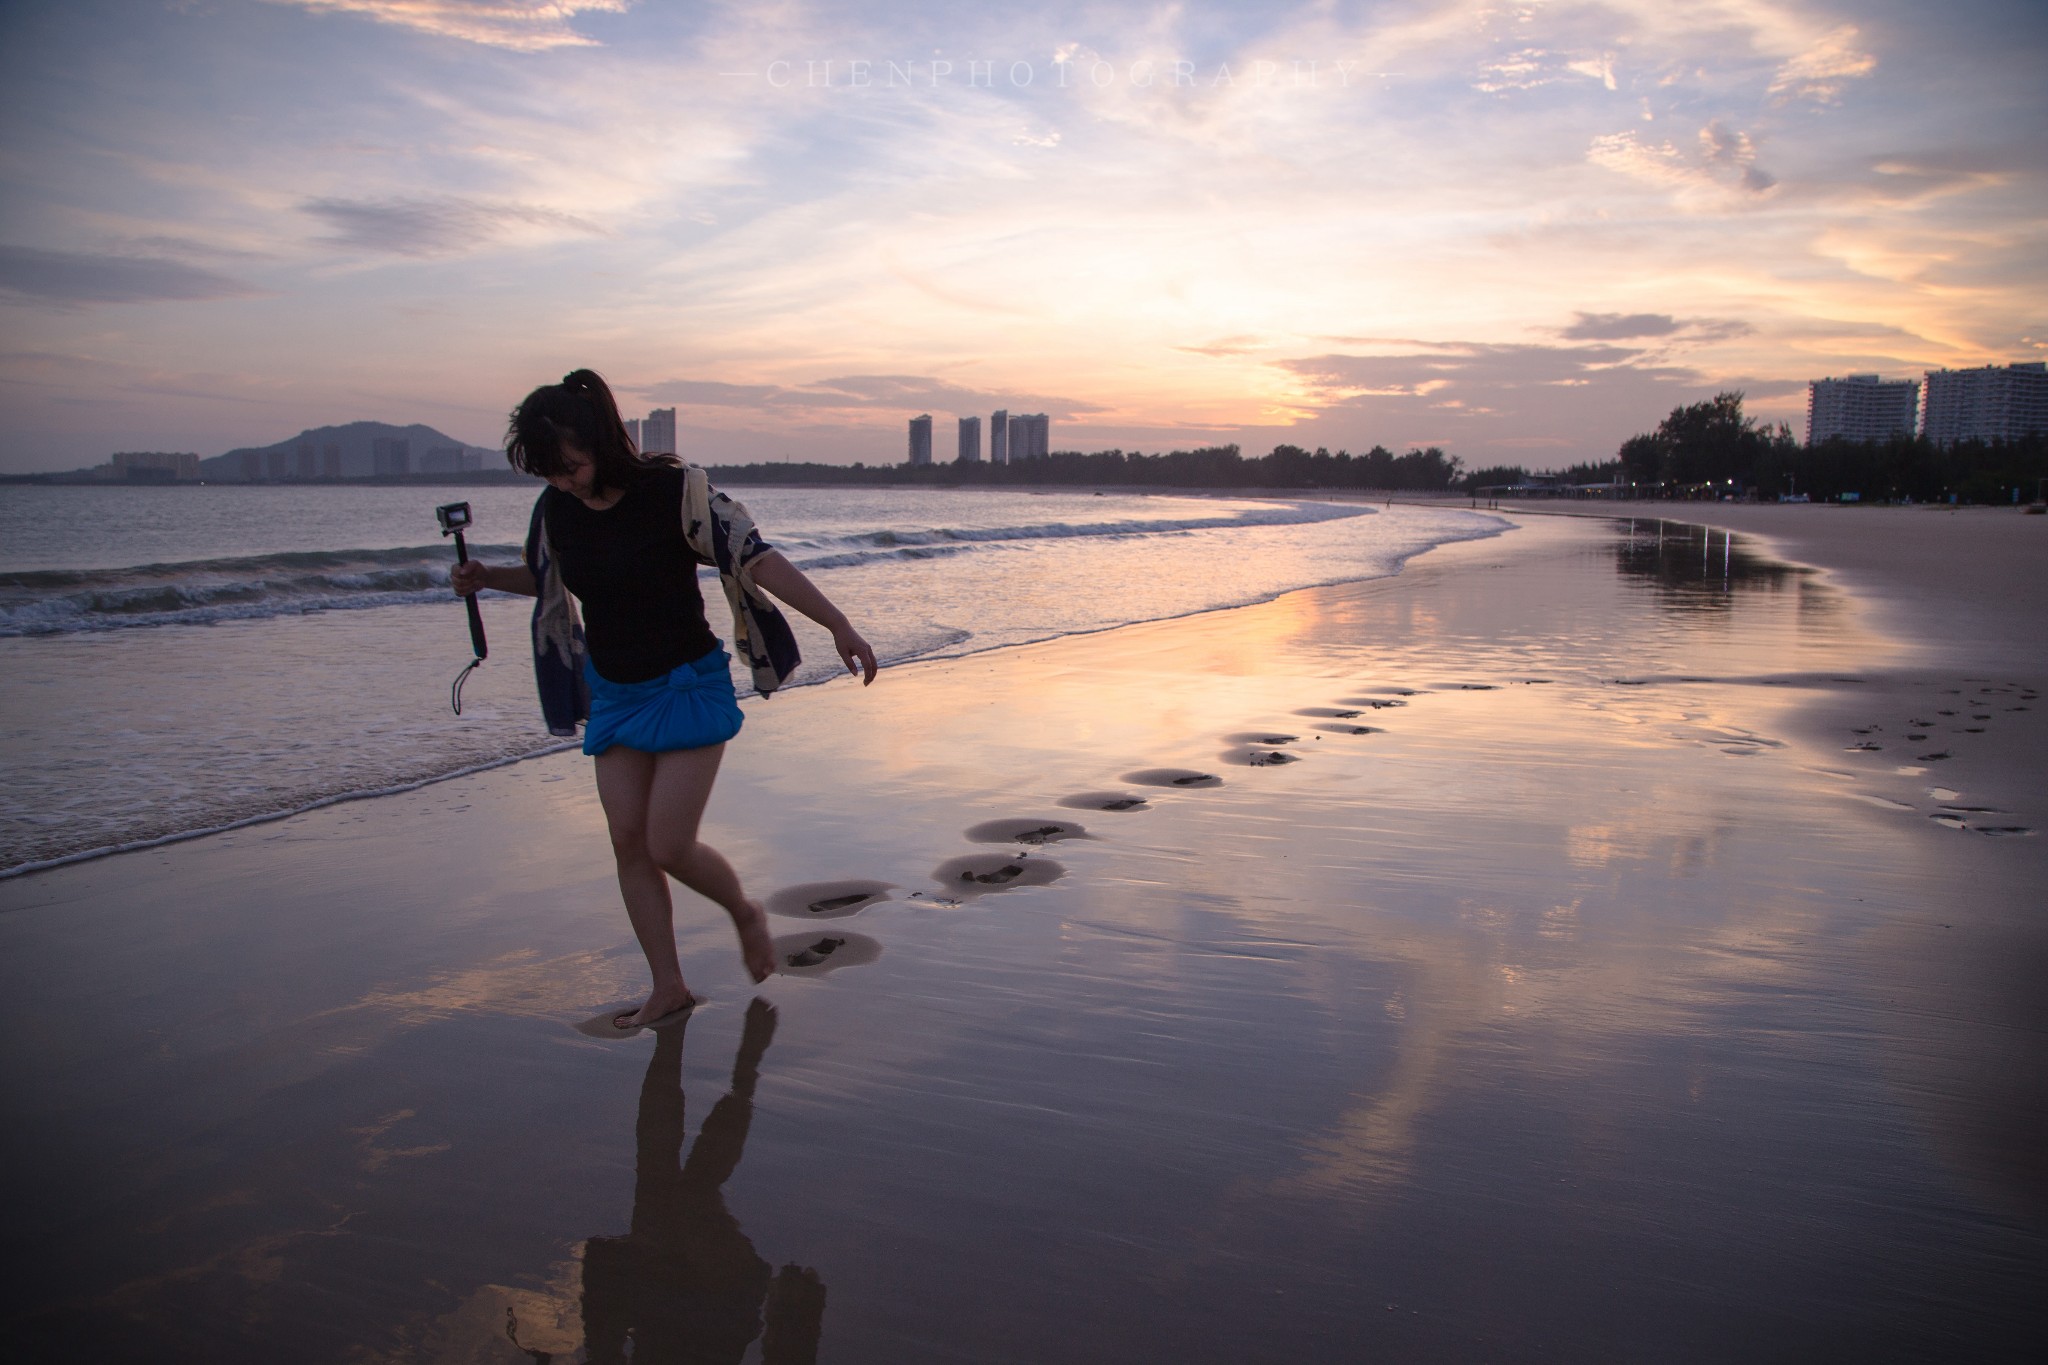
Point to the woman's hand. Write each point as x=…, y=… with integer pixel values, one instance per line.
x=856, y=653
x=469, y=578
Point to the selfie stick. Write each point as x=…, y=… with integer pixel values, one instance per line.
x=476, y=616
x=453, y=518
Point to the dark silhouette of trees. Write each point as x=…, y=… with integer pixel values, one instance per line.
x=1711, y=450
x=1423, y=470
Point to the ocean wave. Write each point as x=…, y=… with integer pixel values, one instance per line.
x=295, y=583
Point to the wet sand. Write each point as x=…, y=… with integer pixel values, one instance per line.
x=1603, y=974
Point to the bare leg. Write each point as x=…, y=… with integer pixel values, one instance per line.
x=625, y=780
x=653, y=804
x=680, y=789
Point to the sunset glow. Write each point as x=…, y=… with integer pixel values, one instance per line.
x=1520, y=232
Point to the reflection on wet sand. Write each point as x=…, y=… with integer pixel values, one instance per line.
x=685, y=1284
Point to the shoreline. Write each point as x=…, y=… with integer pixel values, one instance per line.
x=1560, y=992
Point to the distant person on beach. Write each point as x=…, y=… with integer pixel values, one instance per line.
x=624, y=533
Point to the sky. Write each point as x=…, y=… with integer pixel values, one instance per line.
x=1521, y=232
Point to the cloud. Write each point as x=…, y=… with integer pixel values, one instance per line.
x=516, y=25
x=434, y=227
x=72, y=277
x=1619, y=326
x=1633, y=326
x=1721, y=174
x=1463, y=367
x=1821, y=71
x=879, y=393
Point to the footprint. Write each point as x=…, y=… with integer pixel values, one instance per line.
x=1351, y=729
x=980, y=872
x=1260, y=758
x=1386, y=703
x=1932, y=758
x=815, y=954
x=1270, y=738
x=1103, y=801
x=1328, y=713
x=827, y=900
x=1172, y=777
x=1025, y=830
x=1866, y=747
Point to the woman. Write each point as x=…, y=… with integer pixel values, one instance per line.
x=625, y=532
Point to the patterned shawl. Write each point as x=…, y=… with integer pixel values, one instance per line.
x=721, y=534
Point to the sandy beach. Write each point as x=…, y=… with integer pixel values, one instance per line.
x=1614, y=940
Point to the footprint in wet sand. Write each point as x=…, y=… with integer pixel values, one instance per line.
x=977, y=873
x=1028, y=830
x=1172, y=777
x=1375, y=703
x=1330, y=712
x=1271, y=739
x=814, y=954
x=1103, y=801
x=827, y=900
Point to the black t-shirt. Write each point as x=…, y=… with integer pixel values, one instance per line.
x=632, y=570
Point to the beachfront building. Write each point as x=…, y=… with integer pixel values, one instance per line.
x=999, y=437
x=1030, y=434
x=970, y=441
x=1861, y=407
x=921, y=439
x=149, y=466
x=658, y=432
x=388, y=455
x=1989, y=403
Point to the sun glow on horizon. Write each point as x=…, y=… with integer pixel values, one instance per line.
x=1519, y=233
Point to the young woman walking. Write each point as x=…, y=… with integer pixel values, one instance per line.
x=624, y=534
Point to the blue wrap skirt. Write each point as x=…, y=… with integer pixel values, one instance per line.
x=688, y=708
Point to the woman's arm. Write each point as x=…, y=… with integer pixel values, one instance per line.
x=473, y=576
x=787, y=582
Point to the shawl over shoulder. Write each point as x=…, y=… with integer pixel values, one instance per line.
x=719, y=533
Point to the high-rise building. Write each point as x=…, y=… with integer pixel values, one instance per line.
x=921, y=439
x=633, y=431
x=1989, y=403
x=309, y=461
x=999, y=437
x=330, y=460
x=390, y=455
x=1030, y=436
x=1861, y=408
x=970, y=440
x=155, y=466
x=658, y=432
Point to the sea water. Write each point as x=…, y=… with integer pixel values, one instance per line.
x=179, y=659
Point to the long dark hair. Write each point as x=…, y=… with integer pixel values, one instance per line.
x=579, y=411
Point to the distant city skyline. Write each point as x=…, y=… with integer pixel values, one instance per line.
x=1522, y=234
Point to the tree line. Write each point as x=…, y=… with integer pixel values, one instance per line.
x=1712, y=450
x=1423, y=470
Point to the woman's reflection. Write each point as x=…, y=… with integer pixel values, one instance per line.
x=685, y=1284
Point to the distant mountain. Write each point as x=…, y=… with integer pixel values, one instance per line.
x=353, y=451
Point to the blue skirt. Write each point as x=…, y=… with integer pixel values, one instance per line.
x=689, y=708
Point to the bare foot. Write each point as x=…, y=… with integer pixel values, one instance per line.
x=756, y=947
x=660, y=1005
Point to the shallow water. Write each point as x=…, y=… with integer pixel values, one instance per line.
x=1579, y=1010
x=183, y=658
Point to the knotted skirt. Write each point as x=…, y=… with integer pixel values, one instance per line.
x=688, y=708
